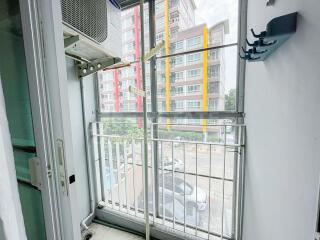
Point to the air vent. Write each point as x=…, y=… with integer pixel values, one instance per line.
x=88, y=17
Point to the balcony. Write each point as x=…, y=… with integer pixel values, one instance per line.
x=193, y=185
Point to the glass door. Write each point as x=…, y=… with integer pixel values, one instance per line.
x=13, y=71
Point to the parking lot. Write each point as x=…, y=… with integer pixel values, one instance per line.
x=202, y=167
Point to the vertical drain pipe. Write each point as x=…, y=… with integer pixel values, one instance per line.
x=83, y=224
x=145, y=134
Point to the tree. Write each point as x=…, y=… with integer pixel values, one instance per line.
x=230, y=100
x=122, y=127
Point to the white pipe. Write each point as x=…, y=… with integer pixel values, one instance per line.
x=83, y=223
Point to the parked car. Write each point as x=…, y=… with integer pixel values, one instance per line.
x=175, y=211
x=192, y=195
x=179, y=213
x=168, y=163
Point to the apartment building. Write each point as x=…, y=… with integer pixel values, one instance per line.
x=188, y=79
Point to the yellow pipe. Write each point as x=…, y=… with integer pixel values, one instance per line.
x=205, y=77
x=167, y=70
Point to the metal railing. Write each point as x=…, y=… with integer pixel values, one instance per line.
x=194, y=186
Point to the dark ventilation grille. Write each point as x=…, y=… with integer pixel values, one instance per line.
x=87, y=16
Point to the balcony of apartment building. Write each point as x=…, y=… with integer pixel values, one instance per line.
x=155, y=145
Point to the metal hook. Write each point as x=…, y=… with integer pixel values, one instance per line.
x=260, y=43
x=261, y=35
x=253, y=51
x=249, y=44
x=242, y=57
x=256, y=58
x=246, y=52
x=268, y=43
x=248, y=57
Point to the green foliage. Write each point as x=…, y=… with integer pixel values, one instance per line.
x=230, y=100
x=122, y=128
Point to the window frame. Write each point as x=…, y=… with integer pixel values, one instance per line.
x=155, y=114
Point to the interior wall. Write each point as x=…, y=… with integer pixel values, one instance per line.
x=77, y=129
x=282, y=108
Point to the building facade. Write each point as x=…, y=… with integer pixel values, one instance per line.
x=188, y=82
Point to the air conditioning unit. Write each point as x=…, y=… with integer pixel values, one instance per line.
x=92, y=29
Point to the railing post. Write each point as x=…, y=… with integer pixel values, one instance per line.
x=145, y=129
x=153, y=88
x=102, y=160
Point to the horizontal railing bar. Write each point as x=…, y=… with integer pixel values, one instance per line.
x=181, y=124
x=228, y=145
x=196, y=142
x=129, y=64
x=188, y=173
x=201, y=115
x=199, y=125
x=186, y=115
x=198, y=50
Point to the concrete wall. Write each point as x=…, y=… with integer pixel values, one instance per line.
x=77, y=129
x=282, y=108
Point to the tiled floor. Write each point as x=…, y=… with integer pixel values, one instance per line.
x=101, y=232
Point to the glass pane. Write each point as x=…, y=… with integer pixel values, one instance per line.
x=114, y=84
x=13, y=74
x=198, y=81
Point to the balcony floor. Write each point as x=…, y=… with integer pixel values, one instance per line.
x=101, y=232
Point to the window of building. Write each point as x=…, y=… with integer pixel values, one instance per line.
x=161, y=78
x=129, y=46
x=193, y=104
x=173, y=32
x=214, y=54
x=194, y=42
x=214, y=87
x=193, y=73
x=194, y=88
x=194, y=121
x=212, y=104
x=179, y=76
x=159, y=8
x=159, y=37
x=213, y=71
x=194, y=57
x=177, y=61
x=179, y=104
x=179, y=90
x=176, y=76
x=160, y=22
x=176, y=46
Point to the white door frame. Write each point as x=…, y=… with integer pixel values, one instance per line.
x=40, y=114
x=44, y=50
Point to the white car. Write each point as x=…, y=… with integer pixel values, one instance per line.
x=168, y=163
x=193, y=196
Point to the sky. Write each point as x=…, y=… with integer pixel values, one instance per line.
x=215, y=11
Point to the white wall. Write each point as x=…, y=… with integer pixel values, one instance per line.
x=282, y=108
x=77, y=130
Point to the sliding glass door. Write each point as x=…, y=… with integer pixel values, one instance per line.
x=13, y=71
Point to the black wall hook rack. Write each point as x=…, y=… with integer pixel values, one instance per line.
x=278, y=30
